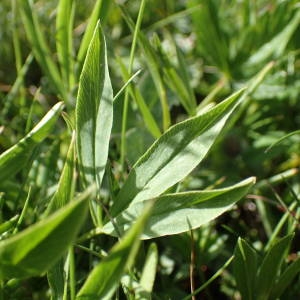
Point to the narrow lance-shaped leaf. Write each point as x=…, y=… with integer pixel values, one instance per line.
x=15, y=158
x=176, y=213
x=94, y=111
x=105, y=277
x=275, y=47
x=174, y=155
x=270, y=267
x=62, y=196
x=285, y=279
x=100, y=11
x=64, y=27
x=34, y=250
x=245, y=269
x=149, y=269
x=65, y=188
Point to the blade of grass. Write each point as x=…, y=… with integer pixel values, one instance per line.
x=126, y=100
x=105, y=277
x=211, y=279
x=153, y=66
x=14, y=159
x=270, y=266
x=100, y=10
x=64, y=25
x=34, y=250
x=137, y=96
x=40, y=47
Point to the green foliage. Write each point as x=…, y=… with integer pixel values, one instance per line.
x=32, y=251
x=260, y=278
x=143, y=85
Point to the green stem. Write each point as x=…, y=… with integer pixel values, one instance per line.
x=23, y=212
x=211, y=279
x=72, y=274
x=126, y=100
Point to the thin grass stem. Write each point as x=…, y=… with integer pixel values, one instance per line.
x=126, y=100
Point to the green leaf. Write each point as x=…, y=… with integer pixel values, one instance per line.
x=245, y=269
x=94, y=111
x=15, y=158
x=274, y=48
x=100, y=10
x=153, y=67
x=62, y=197
x=64, y=27
x=143, y=107
x=150, y=268
x=39, y=45
x=211, y=39
x=65, y=188
x=285, y=279
x=34, y=250
x=174, y=155
x=181, y=212
x=270, y=267
x=105, y=277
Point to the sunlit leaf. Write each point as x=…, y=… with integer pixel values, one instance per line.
x=176, y=213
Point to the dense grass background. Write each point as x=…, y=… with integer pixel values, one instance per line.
x=190, y=56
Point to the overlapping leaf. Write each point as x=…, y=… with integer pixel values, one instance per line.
x=34, y=250
x=14, y=159
x=105, y=277
x=174, y=155
x=176, y=213
x=94, y=111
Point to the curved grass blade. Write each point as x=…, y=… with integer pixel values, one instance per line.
x=100, y=10
x=174, y=155
x=65, y=189
x=285, y=279
x=39, y=46
x=270, y=267
x=281, y=139
x=149, y=269
x=181, y=212
x=105, y=277
x=94, y=111
x=274, y=48
x=15, y=158
x=64, y=26
x=34, y=250
x=63, y=195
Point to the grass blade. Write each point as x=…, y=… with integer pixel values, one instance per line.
x=270, y=267
x=100, y=10
x=64, y=25
x=245, y=269
x=105, y=277
x=65, y=189
x=14, y=159
x=149, y=269
x=34, y=250
x=39, y=46
x=62, y=196
x=285, y=279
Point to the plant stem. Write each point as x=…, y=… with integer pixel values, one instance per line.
x=72, y=274
x=126, y=100
x=211, y=279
